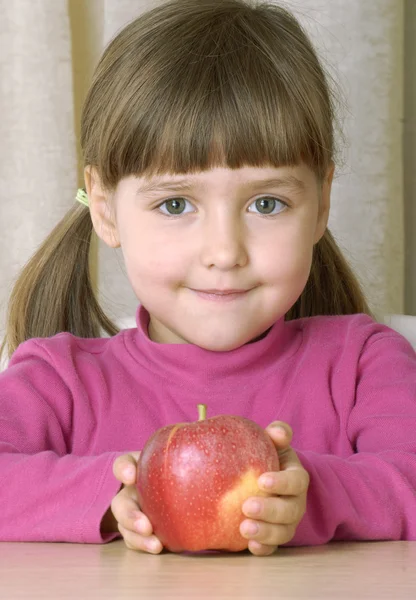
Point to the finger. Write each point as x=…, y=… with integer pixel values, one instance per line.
x=269, y=534
x=125, y=468
x=128, y=514
x=292, y=480
x=260, y=549
x=135, y=541
x=281, y=434
x=285, y=510
x=289, y=459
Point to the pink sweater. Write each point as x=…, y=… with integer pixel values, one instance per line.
x=347, y=386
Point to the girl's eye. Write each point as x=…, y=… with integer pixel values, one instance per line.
x=265, y=206
x=174, y=206
x=269, y=206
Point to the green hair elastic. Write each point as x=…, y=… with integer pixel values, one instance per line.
x=82, y=197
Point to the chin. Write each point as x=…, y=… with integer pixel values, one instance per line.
x=221, y=345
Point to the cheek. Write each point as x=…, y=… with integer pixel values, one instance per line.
x=148, y=258
x=290, y=271
x=287, y=255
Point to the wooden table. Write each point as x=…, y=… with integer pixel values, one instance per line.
x=350, y=571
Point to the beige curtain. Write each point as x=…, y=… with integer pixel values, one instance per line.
x=48, y=49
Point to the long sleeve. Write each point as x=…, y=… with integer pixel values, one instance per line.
x=371, y=494
x=347, y=385
x=47, y=493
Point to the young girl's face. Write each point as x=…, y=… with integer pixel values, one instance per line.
x=188, y=244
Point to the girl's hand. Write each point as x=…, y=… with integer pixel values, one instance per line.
x=274, y=519
x=133, y=525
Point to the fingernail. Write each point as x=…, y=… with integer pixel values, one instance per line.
x=279, y=429
x=140, y=526
x=254, y=507
x=152, y=545
x=250, y=528
x=128, y=472
x=255, y=545
x=266, y=482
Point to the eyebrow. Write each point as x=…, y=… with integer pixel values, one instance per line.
x=288, y=181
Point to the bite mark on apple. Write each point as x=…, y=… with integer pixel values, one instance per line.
x=245, y=487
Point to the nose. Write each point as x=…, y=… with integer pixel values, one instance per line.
x=223, y=243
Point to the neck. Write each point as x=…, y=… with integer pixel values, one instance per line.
x=183, y=362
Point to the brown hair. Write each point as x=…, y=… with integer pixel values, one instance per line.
x=187, y=86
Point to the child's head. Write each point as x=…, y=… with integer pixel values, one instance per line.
x=224, y=93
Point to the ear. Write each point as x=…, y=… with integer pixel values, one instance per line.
x=324, y=203
x=102, y=215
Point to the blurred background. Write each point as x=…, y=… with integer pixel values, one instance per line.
x=48, y=50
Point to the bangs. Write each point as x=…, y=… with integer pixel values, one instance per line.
x=221, y=95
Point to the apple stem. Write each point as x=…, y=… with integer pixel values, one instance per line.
x=202, y=412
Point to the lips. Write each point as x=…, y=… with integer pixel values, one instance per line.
x=221, y=296
x=222, y=292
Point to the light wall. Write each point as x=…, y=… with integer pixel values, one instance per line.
x=409, y=154
x=87, y=26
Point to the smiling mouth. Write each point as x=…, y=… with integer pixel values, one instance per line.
x=221, y=295
x=222, y=292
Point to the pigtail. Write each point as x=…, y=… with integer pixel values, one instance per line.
x=332, y=287
x=53, y=293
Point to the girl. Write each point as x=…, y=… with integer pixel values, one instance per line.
x=209, y=155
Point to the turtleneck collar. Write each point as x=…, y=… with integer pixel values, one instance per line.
x=193, y=362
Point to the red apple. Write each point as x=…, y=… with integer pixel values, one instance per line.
x=194, y=477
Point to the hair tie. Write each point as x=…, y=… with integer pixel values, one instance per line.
x=82, y=197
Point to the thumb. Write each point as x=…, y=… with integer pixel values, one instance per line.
x=125, y=468
x=281, y=434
